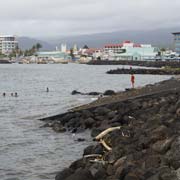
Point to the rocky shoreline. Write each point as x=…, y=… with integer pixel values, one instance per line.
x=146, y=146
x=163, y=71
x=158, y=64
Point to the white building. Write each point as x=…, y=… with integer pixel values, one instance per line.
x=129, y=51
x=63, y=48
x=7, y=43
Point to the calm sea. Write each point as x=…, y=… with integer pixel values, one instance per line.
x=28, y=152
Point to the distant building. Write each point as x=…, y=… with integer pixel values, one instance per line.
x=7, y=44
x=53, y=56
x=177, y=42
x=129, y=51
x=63, y=48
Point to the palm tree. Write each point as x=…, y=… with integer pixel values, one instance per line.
x=38, y=46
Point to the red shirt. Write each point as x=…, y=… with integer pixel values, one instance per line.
x=132, y=78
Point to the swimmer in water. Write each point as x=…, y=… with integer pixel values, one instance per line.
x=16, y=95
x=47, y=89
x=4, y=94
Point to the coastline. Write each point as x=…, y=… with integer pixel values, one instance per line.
x=139, y=154
x=157, y=64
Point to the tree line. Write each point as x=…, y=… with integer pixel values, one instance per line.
x=28, y=52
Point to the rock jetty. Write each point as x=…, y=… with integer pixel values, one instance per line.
x=164, y=71
x=145, y=145
x=158, y=64
x=106, y=93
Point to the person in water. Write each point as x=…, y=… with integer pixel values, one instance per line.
x=47, y=89
x=12, y=94
x=16, y=95
x=4, y=94
x=132, y=80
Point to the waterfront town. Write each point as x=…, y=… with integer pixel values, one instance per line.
x=126, y=50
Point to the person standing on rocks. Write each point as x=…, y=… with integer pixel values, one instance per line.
x=132, y=80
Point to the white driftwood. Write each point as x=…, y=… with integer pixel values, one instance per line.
x=102, y=134
x=98, y=161
x=105, y=145
x=93, y=155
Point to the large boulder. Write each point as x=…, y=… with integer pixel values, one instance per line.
x=162, y=146
x=94, y=93
x=81, y=174
x=101, y=111
x=58, y=127
x=109, y=93
x=74, y=92
x=89, y=122
x=64, y=174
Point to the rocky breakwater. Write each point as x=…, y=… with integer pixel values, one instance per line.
x=150, y=63
x=163, y=71
x=144, y=145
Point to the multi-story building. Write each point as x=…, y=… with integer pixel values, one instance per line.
x=129, y=51
x=7, y=43
x=177, y=42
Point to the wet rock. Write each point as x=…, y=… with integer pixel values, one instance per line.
x=80, y=140
x=74, y=122
x=81, y=174
x=159, y=133
x=119, y=162
x=131, y=176
x=78, y=164
x=75, y=92
x=117, y=118
x=67, y=117
x=98, y=149
x=154, y=177
x=152, y=161
x=173, y=155
x=98, y=171
x=58, y=127
x=178, y=112
x=178, y=173
x=86, y=114
x=112, y=114
x=46, y=125
x=167, y=174
x=88, y=150
x=109, y=93
x=94, y=93
x=110, y=170
x=177, y=104
x=89, y=123
x=123, y=170
x=162, y=146
x=101, y=111
x=95, y=132
x=64, y=174
x=99, y=118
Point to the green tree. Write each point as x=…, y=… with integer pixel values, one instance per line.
x=85, y=47
x=72, y=53
x=38, y=46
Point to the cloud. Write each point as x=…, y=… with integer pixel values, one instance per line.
x=69, y=17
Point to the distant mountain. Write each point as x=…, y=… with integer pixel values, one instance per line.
x=159, y=37
x=27, y=43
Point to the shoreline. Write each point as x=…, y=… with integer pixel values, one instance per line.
x=139, y=112
x=157, y=64
x=162, y=71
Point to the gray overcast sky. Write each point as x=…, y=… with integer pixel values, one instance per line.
x=71, y=17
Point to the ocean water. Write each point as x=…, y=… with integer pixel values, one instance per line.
x=29, y=152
